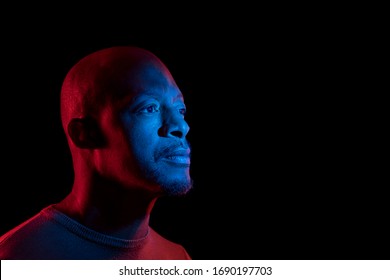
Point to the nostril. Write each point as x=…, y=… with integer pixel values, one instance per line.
x=177, y=133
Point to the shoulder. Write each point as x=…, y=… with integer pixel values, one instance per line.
x=165, y=248
x=21, y=241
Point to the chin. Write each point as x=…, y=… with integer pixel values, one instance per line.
x=177, y=188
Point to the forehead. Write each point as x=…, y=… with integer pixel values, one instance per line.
x=149, y=75
x=128, y=83
x=151, y=81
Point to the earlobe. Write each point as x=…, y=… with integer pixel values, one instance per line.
x=85, y=133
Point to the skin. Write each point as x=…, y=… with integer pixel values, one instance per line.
x=123, y=116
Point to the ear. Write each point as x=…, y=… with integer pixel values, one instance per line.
x=85, y=133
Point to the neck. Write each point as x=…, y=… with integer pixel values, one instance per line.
x=110, y=209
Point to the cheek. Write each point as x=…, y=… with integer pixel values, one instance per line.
x=142, y=142
x=140, y=135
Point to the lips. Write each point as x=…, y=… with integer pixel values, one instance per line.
x=179, y=157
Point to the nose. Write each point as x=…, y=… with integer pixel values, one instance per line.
x=174, y=125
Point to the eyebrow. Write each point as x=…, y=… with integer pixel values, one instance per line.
x=149, y=93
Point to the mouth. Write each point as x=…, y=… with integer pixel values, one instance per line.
x=179, y=158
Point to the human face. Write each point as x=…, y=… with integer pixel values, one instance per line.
x=148, y=135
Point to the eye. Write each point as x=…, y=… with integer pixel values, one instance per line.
x=153, y=108
x=183, y=111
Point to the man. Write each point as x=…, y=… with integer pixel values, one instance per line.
x=123, y=116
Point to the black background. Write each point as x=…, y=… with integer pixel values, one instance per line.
x=286, y=143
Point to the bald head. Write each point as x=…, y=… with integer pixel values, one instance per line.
x=104, y=77
x=123, y=115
